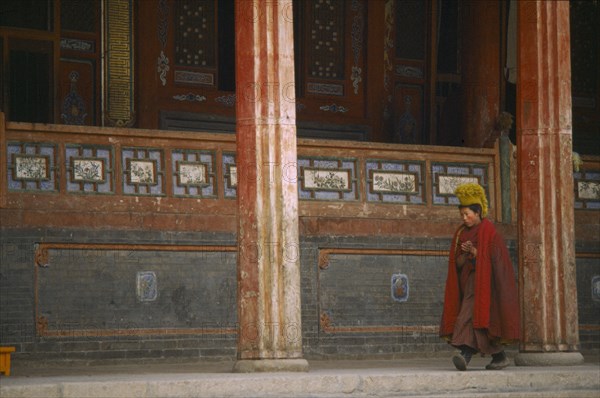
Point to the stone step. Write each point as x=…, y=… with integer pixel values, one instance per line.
x=410, y=378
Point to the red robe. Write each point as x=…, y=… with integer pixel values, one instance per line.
x=496, y=297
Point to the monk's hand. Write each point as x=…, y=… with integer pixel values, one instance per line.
x=468, y=247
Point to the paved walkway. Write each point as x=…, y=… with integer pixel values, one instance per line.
x=423, y=377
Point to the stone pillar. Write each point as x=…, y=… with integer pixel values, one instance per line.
x=480, y=71
x=547, y=279
x=269, y=314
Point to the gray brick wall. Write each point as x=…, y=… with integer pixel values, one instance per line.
x=97, y=291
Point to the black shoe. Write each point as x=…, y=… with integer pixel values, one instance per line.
x=499, y=361
x=461, y=360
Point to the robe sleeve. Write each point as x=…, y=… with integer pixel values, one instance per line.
x=452, y=293
x=505, y=319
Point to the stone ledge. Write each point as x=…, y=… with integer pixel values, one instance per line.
x=548, y=359
x=408, y=378
x=270, y=365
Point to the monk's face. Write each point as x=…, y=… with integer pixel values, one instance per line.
x=469, y=217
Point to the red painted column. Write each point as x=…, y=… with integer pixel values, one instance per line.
x=547, y=277
x=270, y=330
x=480, y=71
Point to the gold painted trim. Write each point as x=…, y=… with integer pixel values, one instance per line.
x=119, y=63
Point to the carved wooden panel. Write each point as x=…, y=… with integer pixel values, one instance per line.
x=78, y=77
x=325, y=47
x=330, y=57
x=187, y=60
x=411, y=31
x=408, y=121
x=410, y=71
x=77, y=91
x=194, y=23
x=79, y=16
x=585, y=75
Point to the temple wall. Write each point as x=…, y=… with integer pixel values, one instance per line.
x=121, y=243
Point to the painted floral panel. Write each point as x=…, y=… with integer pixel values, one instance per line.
x=192, y=174
x=448, y=183
x=326, y=179
x=588, y=190
x=142, y=172
x=392, y=182
x=31, y=168
x=88, y=169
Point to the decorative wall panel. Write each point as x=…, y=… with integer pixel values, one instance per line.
x=327, y=179
x=194, y=173
x=229, y=175
x=587, y=189
x=143, y=171
x=90, y=169
x=32, y=167
x=396, y=182
x=447, y=176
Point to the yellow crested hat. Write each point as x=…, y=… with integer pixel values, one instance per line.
x=470, y=194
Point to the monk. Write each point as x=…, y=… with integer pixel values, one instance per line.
x=481, y=303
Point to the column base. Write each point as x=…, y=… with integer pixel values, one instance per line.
x=548, y=359
x=270, y=365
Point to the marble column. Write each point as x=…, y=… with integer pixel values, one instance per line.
x=269, y=314
x=547, y=279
